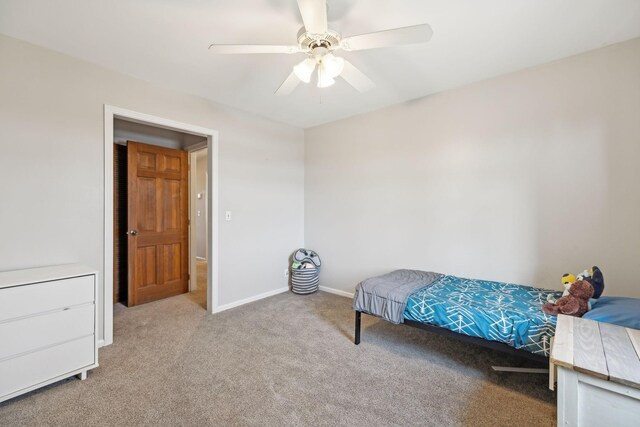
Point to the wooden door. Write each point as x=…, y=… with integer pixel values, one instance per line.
x=158, y=222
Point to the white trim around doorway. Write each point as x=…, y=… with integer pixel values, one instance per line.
x=106, y=299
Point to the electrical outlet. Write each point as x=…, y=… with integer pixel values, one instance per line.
x=286, y=273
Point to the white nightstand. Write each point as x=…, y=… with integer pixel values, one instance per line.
x=598, y=373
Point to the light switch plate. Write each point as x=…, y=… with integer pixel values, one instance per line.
x=227, y=215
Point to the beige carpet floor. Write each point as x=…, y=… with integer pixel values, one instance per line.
x=285, y=360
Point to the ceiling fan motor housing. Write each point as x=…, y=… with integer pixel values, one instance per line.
x=308, y=41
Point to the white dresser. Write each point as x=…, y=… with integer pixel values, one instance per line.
x=48, y=321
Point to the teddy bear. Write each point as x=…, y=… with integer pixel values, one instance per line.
x=574, y=304
x=567, y=280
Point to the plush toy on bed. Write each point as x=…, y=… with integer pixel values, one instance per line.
x=592, y=275
x=567, y=280
x=595, y=277
x=576, y=303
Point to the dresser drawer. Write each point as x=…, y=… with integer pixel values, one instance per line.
x=38, y=332
x=33, y=368
x=26, y=300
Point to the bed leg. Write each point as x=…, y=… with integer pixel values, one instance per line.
x=357, y=338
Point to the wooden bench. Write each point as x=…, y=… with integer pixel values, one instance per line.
x=598, y=373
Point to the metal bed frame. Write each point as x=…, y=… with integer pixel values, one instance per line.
x=494, y=345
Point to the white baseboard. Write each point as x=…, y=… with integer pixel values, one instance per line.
x=100, y=343
x=337, y=292
x=234, y=304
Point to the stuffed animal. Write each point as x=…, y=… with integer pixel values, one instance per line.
x=592, y=275
x=595, y=277
x=567, y=280
x=574, y=304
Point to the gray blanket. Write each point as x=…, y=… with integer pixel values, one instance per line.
x=386, y=296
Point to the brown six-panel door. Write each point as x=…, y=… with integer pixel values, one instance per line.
x=158, y=222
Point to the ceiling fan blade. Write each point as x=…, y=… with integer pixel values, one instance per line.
x=398, y=36
x=314, y=15
x=356, y=78
x=288, y=85
x=252, y=48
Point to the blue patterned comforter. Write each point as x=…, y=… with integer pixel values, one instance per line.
x=495, y=311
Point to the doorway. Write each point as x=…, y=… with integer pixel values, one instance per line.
x=151, y=222
x=125, y=125
x=199, y=220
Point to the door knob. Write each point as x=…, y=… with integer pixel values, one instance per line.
x=133, y=232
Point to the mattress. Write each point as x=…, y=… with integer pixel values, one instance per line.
x=495, y=311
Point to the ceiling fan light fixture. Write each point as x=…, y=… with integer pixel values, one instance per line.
x=324, y=78
x=304, y=69
x=333, y=65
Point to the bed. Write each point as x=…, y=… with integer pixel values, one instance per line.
x=502, y=316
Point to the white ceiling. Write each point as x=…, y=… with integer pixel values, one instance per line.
x=165, y=41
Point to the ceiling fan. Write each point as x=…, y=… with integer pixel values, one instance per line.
x=319, y=43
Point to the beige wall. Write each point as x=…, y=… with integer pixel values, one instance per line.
x=51, y=169
x=519, y=178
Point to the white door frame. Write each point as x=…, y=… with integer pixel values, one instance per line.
x=111, y=113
